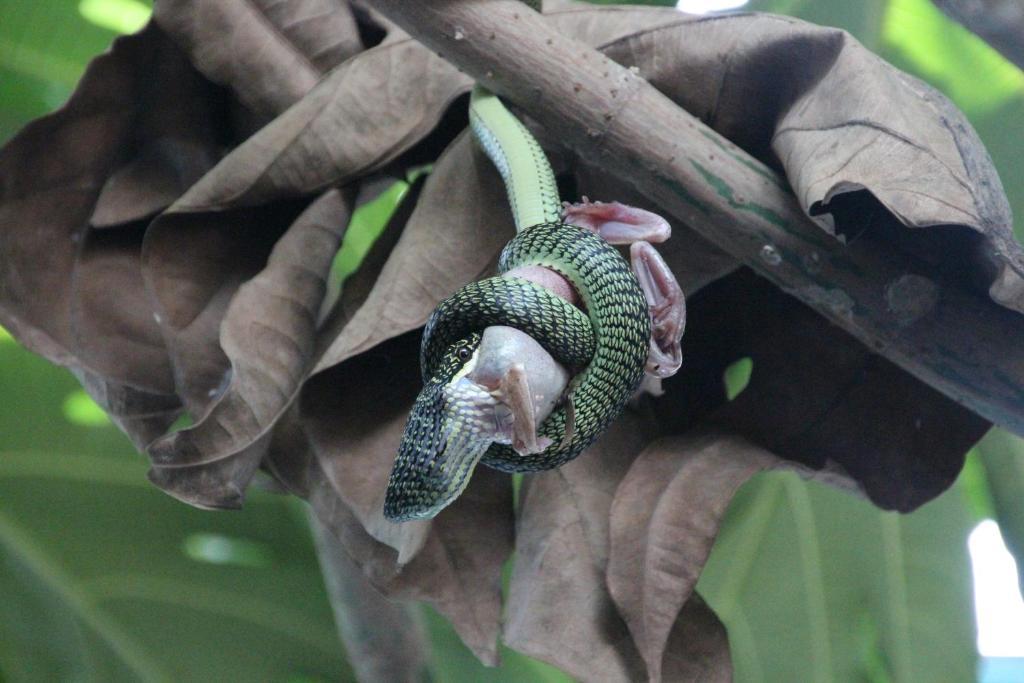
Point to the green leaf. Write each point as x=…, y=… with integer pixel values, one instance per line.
x=368, y=221
x=1002, y=457
x=44, y=49
x=815, y=584
x=966, y=68
x=120, y=16
x=737, y=376
x=80, y=409
x=104, y=578
x=975, y=487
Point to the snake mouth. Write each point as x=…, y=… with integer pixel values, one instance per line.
x=450, y=428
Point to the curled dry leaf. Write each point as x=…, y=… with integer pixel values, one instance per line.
x=122, y=338
x=268, y=335
x=192, y=266
x=899, y=154
x=360, y=117
x=559, y=608
x=362, y=494
x=453, y=236
x=195, y=261
x=51, y=175
x=269, y=53
x=355, y=415
x=832, y=405
x=664, y=520
x=71, y=293
x=174, y=139
x=142, y=415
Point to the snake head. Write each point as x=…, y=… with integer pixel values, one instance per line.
x=450, y=427
x=470, y=404
x=447, y=433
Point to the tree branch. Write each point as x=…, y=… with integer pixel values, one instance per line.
x=962, y=344
x=1000, y=23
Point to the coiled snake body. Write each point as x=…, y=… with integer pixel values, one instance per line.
x=607, y=343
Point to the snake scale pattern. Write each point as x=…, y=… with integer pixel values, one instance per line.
x=607, y=342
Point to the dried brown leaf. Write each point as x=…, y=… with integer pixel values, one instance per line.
x=816, y=396
x=899, y=154
x=354, y=416
x=345, y=301
x=698, y=646
x=664, y=520
x=268, y=335
x=598, y=26
x=67, y=292
x=453, y=236
x=174, y=139
x=270, y=53
x=361, y=116
x=124, y=338
x=140, y=414
x=559, y=608
x=192, y=266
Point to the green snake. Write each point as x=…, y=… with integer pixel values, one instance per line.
x=606, y=344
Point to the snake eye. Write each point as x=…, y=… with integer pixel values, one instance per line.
x=463, y=353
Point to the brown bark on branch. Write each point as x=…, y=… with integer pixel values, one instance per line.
x=384, y=640
x=1000, y=23
x=957, y=341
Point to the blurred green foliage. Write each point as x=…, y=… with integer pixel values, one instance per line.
x=815, y=584
x=950, y=57
x=105, y=578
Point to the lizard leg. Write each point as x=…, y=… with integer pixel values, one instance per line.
x=526, y=382
x=620, y=224
x=617, y=223
x=668, y=309
x=514, y=391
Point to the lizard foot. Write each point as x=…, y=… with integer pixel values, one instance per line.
x=668, y=309
x=617, y=223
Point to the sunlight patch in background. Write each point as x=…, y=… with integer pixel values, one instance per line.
x=120, y=16
x=705, y=6
x=997, y=599
x=219, y=549
x=737, y=376
x=965, y=67
x=80, y=409
x=5, y=337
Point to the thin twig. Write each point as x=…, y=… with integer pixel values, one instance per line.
x=384, y=639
